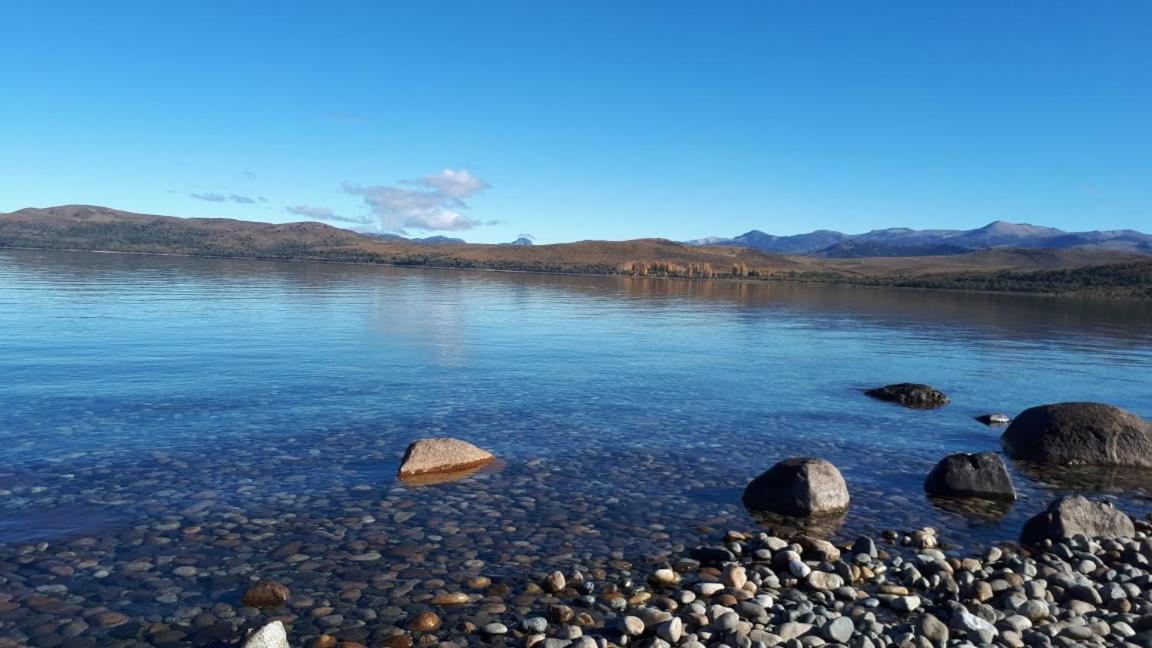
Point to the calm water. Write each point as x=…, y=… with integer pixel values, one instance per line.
x=207, y=413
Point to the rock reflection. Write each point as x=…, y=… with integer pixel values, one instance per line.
x=820, y=526
x=1102, y=479
x=975, y=508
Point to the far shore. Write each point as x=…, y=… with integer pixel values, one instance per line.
x=865, y=281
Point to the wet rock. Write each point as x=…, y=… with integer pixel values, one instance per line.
x=442, y=455
x=1076, y=514
x=266, y=594
x=980, y=475
x=799, y=487
x=1092, y=434
x=909, y=395
x=272, y=635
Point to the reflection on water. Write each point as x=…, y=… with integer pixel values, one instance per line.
x=222, y=410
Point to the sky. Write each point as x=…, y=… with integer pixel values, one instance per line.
x=567, y=120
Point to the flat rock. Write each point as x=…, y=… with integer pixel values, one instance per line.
x=1092, y=434
x=910, y=395
x=798, y=487
x=971, y=475
x=441, y=455
x=1073, y=514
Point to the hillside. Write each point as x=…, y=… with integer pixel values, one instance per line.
x=1116, y=274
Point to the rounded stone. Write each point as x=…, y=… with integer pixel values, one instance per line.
x=1075, y=514
x=1092, y=434
x=981, y=475
x=798, y=487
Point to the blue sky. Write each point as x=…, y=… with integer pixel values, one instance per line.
x=575, y=120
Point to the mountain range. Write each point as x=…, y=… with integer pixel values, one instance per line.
x=905, y=242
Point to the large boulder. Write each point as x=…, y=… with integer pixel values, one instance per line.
x=798, y=487
x=1092, y=434
x=1073, y=514
x=910, y=395
x=442, y=455
x=971, y=475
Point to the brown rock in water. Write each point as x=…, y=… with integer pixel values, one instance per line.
x=453, y=598
x=111, y=619
x=1073, y=514
x=910, y=395
x=425, y=622
x=398, y=641
x=266, y=594
x=798, y=487
x=441, y=455
x=1092, y=434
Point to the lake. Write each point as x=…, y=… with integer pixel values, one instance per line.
x=172, y=427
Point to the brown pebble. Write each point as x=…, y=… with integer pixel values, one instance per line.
x=324, y=641
x=111, y=619
x=398, y=641
x=425, y=622
x=453, y=598
x=266, y=594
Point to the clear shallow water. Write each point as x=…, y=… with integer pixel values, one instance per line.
x=272, y=401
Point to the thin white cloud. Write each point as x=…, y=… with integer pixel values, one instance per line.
x=219, y=197
x=322, y=213
x=436, y=203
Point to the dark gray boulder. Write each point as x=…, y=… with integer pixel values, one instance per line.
x=798, y=487
x=1091, y=434
x=971, y=475
x=910, y=395
x=1073, y=514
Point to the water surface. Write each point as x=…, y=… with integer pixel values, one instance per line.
x=207, y=413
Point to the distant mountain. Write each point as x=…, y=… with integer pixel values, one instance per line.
x=430, y=240
x=902, y=241
x=523, y=240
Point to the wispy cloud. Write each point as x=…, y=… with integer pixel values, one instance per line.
x=220, y=197
x=433, y=202
x=324, y=214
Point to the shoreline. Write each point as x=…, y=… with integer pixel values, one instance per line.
x=759, y=590
x=735, y=280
